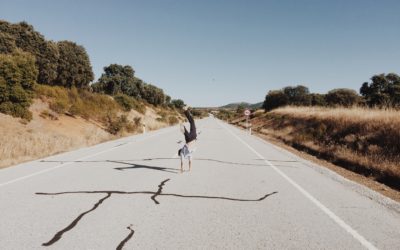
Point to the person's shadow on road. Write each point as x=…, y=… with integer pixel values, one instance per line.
x=140, y=166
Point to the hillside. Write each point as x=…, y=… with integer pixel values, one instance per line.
x=363, y=140
x=242, y=104
x=50, y=133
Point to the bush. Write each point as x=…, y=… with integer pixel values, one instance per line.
x=78, y=102
x=275, y=99
x=18, y=74
x=60, y=100
x=59, y=106
x=127, y=103
x=177, y=103
x=225, y=114
x=117, y=124
x=342, y=97
x=298, y=95
x=198, y=113
x=318, y=100
x=172, y=120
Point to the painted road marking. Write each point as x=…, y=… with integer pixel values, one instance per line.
x=326, y=210
x=79, y=159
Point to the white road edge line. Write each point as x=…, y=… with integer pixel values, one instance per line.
x=326, y=210
x=74, y=161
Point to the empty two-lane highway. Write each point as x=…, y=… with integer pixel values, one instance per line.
x=242, y=193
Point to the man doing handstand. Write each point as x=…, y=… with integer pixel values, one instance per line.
x=190, y=136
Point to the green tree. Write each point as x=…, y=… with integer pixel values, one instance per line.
x=275, y=99
x=18, y=74
x=178, y=103
x=384, y=90
x=74, y=68
x=153, y=94
x=23, y=36
x=342, y=97
x=298, y=95
x=317, y=99
x=118, y=79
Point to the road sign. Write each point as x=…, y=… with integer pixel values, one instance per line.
x=247, y=112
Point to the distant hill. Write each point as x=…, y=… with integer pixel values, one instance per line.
x=244, y=104
x=257, y=105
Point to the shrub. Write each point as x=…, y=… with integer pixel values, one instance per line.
x=317, y=99
x=78, y=102
x=60, y=100
x=275, y=99
x=127, y=103
x=177, y=103
x=59, y=106
x=342, y=97
x=298, y=95
x=117, y=124
x=172, y=120
x=224, y=114
x=124, y=101
x=18, y=74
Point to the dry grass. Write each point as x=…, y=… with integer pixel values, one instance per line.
x=76, y=102
x=43, y=137
x=350, y=115
x=363, y=140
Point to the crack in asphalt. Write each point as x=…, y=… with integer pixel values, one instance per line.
x=127, y=238
x=160, y=187
x=161, y=194
x=218, y=197
x=60, y=234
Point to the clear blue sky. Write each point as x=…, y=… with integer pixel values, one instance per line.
x=211, y=52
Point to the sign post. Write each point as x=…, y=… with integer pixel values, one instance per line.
x=247, y=114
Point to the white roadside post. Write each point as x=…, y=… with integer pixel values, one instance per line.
x=247, y=114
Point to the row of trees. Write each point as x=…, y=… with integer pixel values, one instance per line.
x=61, y=63
x=118, y=79
x=26, y=58
x=383, y=91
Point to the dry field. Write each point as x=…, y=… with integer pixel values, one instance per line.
x=363, y=140
x=43, y=136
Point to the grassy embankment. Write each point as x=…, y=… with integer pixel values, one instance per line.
x=366, y=141
x=66, y=119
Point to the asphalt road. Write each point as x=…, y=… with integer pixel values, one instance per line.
x=242, y=193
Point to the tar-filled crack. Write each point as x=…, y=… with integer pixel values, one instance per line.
x=59, y=234
x=127, y=238
x=160, y=187
x=153, y=194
